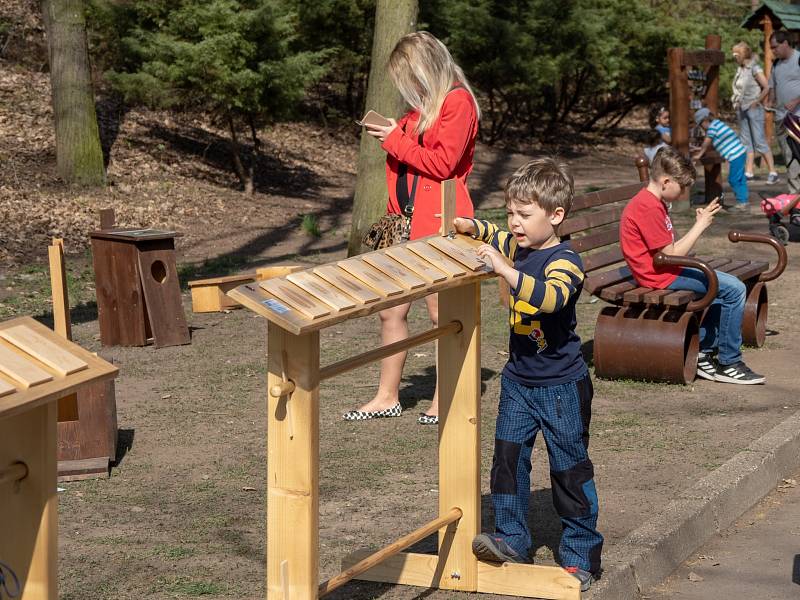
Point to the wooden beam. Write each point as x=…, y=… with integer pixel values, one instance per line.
x=678, y=100
x=454, y=514
x=702, y=58
x=769, y=123
x=293, y=467
x=348, y=364
x=458, y=368
x=448, y=206
x=58, y=287
x=13, y=473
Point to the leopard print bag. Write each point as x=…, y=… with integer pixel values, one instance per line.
x=387, y=231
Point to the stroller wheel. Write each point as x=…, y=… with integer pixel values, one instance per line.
x=780, y=232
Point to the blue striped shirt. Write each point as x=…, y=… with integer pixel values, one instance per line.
x=725, y=140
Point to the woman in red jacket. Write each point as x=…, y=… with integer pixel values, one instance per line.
x=432, y=142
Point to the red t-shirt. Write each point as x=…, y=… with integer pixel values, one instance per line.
x=644, y=229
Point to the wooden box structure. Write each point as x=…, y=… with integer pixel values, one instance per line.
x=138, y=292
x=211, y=295
x=87, y=420
x=705, y=80
x=37, y=368
x=298, y=306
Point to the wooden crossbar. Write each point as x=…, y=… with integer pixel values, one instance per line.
x=348, y=364
x=337, y=581
x=13, y=473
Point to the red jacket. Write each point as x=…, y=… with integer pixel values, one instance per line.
x=446, y=153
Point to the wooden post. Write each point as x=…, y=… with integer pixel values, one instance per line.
x=713, y=172
x=458, y=370
x=448, y=206
x=769, y=124
x=28, y=543
x=678, y=100
x=58, y=284
x=293, y=467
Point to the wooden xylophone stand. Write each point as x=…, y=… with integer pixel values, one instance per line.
x=294, y=376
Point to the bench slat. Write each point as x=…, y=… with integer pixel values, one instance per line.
x=596, y=282
x=636, y=295
x=584, y=222
x=602, y=259
x=679, y=298
x=595, y=240
x=750, y=270
x=615, y=293
x=600, y=197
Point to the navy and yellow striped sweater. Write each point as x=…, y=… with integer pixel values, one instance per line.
x=543, y=346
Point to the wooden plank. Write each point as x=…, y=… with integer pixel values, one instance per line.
x=679, y=298
x=58, y=289
x=468, y=258
x=405, y=568
x=595, y=240
x=412, y=261
x=376, y=280
x=636, y=295
x=296, y=298
x=93, y=434
x=701, y=58
x=615, y=293
x=238, y=279
x=437, y=259
x=588, y=221
x=609, y=196
x=529, y=581
x=6, y=388
x=458, y=366
x=347, y=283
x=21, y=369
x=748, y=270
x=276, y=271
x=653, y=296
x=162, y=293
x=257, y=299
x=320, y=288
x=393, y=269
x=597, y=282
x=448, y=213
x=57, y=358
x=293, y=466
x=598, y=260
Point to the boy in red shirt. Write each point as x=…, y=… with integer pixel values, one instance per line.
x=646, y=229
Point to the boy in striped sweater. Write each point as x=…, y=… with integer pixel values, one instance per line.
x=727, y=143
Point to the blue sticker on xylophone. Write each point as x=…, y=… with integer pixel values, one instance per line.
x=275, y=306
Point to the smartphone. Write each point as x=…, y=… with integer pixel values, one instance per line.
x=373, y=118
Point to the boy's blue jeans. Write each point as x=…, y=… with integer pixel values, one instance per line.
x=562, y=413
x=721, y=328
x=737, y=179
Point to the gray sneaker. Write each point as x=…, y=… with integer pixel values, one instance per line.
x=584, y=577
x=772, y=178
x=738, y=373
x=495, y=549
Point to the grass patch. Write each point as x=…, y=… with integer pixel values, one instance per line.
x=173, y=552
x=310, y=225
x=187, y=587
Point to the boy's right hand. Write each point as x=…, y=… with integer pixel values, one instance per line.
x=463, y=225
x=705, y=215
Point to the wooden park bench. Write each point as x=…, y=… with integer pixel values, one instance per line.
x=651, y=334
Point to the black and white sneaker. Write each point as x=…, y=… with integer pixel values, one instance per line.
x=706, y=367
x=738, y=373
x=362, y=415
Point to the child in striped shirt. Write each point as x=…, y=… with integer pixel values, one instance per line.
x=727, y=143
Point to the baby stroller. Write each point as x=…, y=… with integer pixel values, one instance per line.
x=783, y=215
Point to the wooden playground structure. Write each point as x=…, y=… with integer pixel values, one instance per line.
x=704, y=92
x=37, y=369
x=298, y=306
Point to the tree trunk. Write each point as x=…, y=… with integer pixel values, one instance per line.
x=245, y=176
x=79, y=155
x=393, y=20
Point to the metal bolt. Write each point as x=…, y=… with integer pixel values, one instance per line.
x=455, y=575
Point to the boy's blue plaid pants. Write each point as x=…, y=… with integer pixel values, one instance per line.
x=562, y=413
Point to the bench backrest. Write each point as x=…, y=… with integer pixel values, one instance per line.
x=593, y=230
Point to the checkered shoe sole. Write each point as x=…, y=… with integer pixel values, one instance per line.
x=428, y=419
x=362, y=415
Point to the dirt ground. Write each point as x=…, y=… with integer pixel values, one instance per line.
x=183, y=512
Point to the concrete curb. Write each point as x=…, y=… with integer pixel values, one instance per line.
x=650, y=553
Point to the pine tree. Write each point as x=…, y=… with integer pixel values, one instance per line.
x=233, y=58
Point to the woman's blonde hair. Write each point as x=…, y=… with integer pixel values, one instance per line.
x=424, y=72
x=744, y=48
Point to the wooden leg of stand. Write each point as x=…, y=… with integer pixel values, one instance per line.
x=459, y=435
x=29, y=514
x=293, y=468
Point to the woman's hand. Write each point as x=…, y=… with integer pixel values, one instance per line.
x=705, y=216
x=462, y=225
x=380, y=132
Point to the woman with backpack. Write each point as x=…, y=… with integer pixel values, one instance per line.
x=750, y=88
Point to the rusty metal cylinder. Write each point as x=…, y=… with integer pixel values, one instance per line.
x=651, y=344
x=754, y=320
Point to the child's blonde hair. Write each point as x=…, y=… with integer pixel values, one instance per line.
x=668, y=162
x=543, y=181
x=424, y=72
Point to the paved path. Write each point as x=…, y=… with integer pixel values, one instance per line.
x=757, y=558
